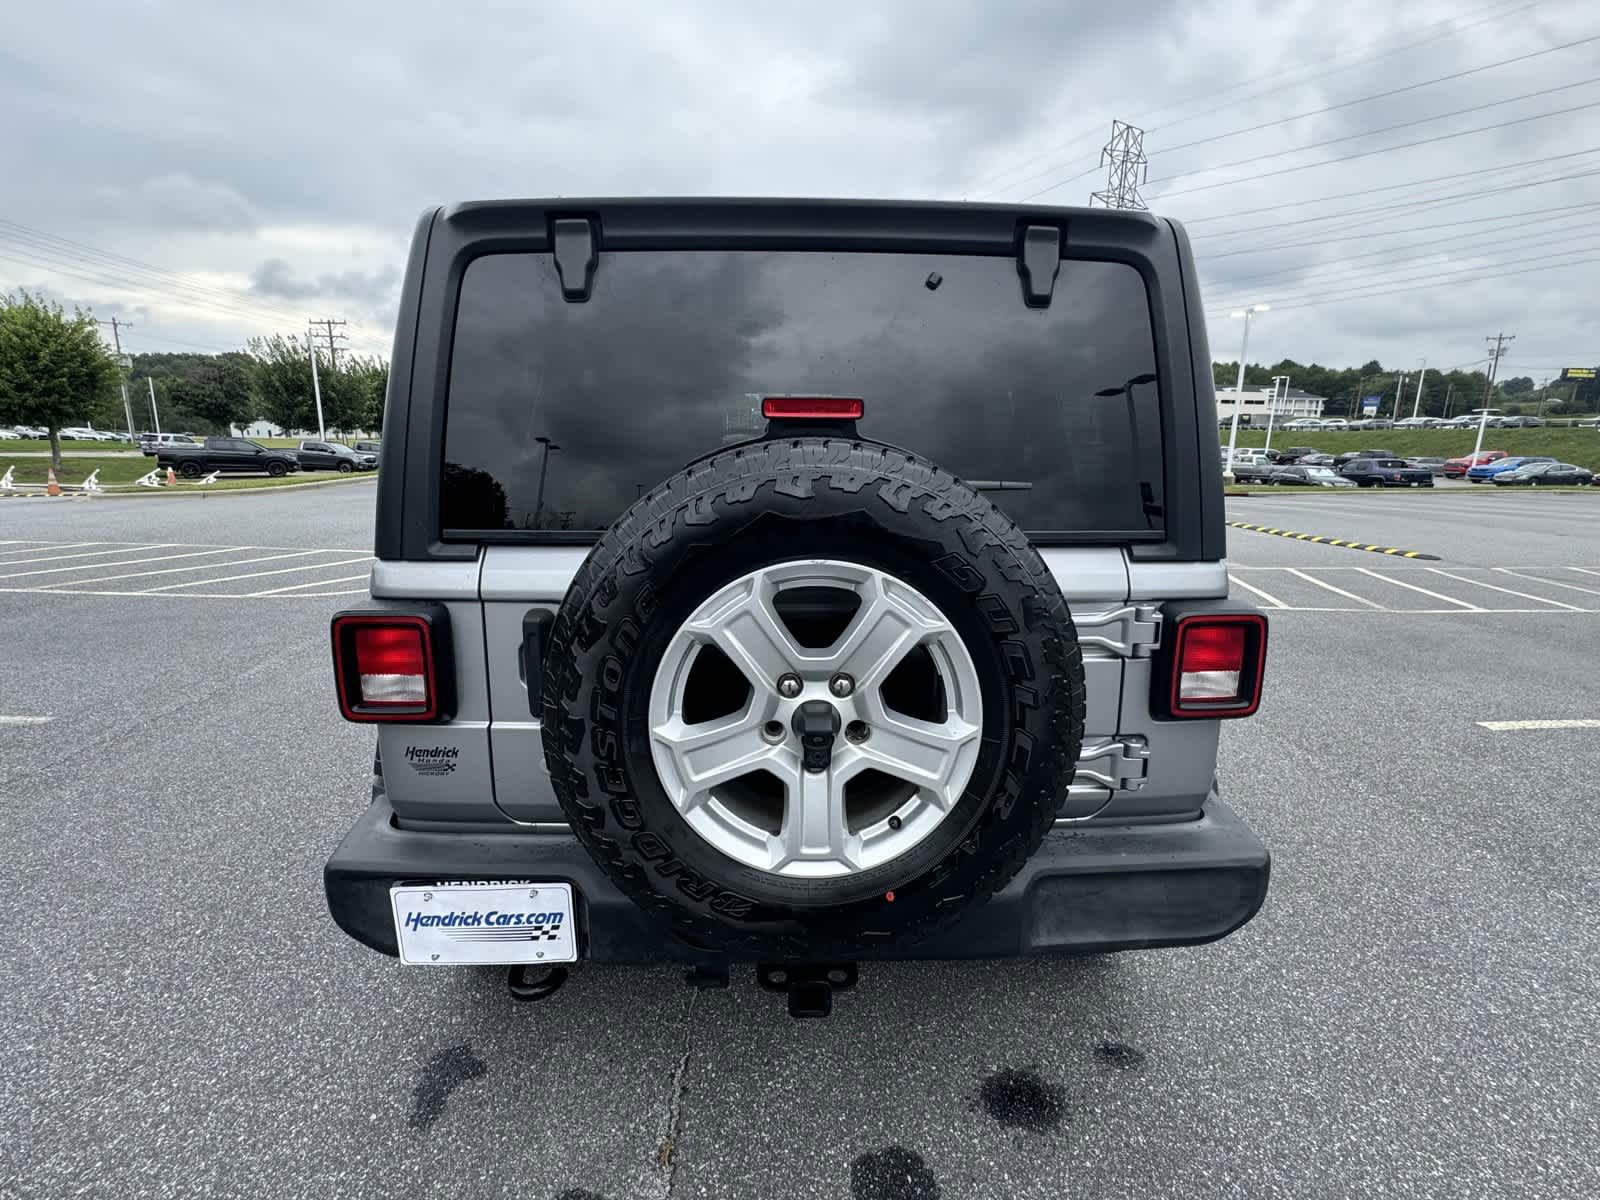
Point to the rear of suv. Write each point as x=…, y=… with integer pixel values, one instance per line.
x=796, y=583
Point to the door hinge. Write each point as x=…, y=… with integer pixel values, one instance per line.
x=1133, y=631
x=1122, y=763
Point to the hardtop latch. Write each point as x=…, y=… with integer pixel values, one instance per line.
x=576, y=249
x=1038, y=261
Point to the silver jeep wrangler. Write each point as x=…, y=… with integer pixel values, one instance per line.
x=795, y=583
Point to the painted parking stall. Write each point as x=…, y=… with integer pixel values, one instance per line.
x=176, y=569
x=1421, y=591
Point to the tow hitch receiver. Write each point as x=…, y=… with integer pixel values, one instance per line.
x=809, y=986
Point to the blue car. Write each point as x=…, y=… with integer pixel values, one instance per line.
x=1487, y=471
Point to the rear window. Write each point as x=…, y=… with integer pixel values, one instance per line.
x=560, y=415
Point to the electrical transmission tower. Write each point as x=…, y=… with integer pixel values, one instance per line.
x=1126, y=168
x=328, y=324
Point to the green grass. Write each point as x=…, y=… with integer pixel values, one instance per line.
x=116, y=472
x=10, y=447
x=1580, y=446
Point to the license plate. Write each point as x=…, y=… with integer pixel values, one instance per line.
x=464, y=924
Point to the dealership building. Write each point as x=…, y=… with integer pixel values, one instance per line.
x=1290, y=406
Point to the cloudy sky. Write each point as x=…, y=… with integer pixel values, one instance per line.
x=210, y=171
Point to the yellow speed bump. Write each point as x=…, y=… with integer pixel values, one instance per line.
x=1392, y=551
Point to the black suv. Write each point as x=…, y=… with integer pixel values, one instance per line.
x=795, y=583
x=1386, y=472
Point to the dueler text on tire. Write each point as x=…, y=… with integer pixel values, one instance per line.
x=812, y=697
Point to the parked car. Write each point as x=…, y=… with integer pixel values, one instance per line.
x=1317, y=459
x=1372, y=423
x=1339, y=460
x=7, y=435
x=1521, y=422
x=1546, y=474
x=365, y=447
x=151, y=442
x=1293, y=454
x=82, y=433
x=1433, y=464
x=1455, y=468
x=1336, y=423
x=1257, y=471
x=231, y=456
x=1300, y=475
x=333, y=456
x=1416, y=422
x=1302, y=424
x=1487, y=471
x=1386, y=472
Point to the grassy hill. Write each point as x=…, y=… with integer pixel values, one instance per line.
x=1580, y=446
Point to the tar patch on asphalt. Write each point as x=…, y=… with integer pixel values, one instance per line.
x=1020, y=1099
x=579, y=1194
x=893, y=1173
x=444, y=1073
x=1119, y=1054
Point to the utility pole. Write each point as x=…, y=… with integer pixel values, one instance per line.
x=1545, y=388
x=316, y=385
x=1449, y=391
x=328, y=324
x=1399, y=392
x=1416, y=403
x=1499, y=340
x=1272, y=404
x=122, y=367
x=1238, y=388
x=155, y=413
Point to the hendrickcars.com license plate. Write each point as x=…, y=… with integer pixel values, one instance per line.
x=456, y=924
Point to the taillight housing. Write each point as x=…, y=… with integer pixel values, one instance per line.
x=1213, y=667
x=812, y=408
x=393, y=665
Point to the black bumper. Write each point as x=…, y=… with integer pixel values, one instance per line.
x=1087, y=889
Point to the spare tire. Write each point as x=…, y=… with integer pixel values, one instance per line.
x=810, y=698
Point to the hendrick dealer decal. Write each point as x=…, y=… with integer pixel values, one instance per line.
x=432, y=760
x=490, y=925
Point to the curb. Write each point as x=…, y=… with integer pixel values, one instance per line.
x=148, y=493
x=1392, y=551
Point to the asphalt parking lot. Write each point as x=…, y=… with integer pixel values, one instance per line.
x=1412, y=1013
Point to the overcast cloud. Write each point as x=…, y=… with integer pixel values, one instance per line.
x=277, y=156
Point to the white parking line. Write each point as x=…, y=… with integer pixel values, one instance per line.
x=25, y=720
x=28, y=562
x=127, y=562
x=237, y=562
x=1508, y=591
x=1514, y=726
x=338, y=562
x=1250, y=587
x=1571, y=587
x=297, y=586
x=1586, y=570
x=1465, y=607
x=1337, y=590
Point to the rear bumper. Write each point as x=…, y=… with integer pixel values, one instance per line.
x=1087, y=889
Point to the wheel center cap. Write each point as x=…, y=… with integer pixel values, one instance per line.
x=816, y=723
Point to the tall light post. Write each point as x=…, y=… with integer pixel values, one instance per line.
x=1272, y=404
x=1416, y=402
x=544, y=469
x=1238, y=387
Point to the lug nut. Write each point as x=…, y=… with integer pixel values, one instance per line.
x=856, y=732
x=773, y=731
x=789, y=686
x=841, y=685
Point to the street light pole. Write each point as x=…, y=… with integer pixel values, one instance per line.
x=1421, y=379
x=544, y=466
x=316, y=387
x=1399, y=392
x=1238, y=388
x=154, y=412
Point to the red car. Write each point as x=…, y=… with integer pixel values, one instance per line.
x=1455, y=468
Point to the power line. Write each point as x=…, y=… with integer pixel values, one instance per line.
x=1351, y=262
x=1452, y=177
x=1454, y=197
x=1365, y=295
x=1410, y=87
x=328, y=323
x=1274, y=76
x=1385, y=278
x=1240, y=162
x=1372, y=233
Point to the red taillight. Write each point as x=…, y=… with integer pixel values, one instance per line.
x=386, y=667
x=1217, y=665
x=812, y=408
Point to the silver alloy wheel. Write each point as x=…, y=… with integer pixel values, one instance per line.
x=816, y=835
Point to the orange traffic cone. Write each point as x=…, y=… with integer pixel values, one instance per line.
x=172, y=477
x=51, y=487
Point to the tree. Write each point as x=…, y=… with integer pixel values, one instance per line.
x=53, y=368
x=1521, y=385
x=280, y=380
